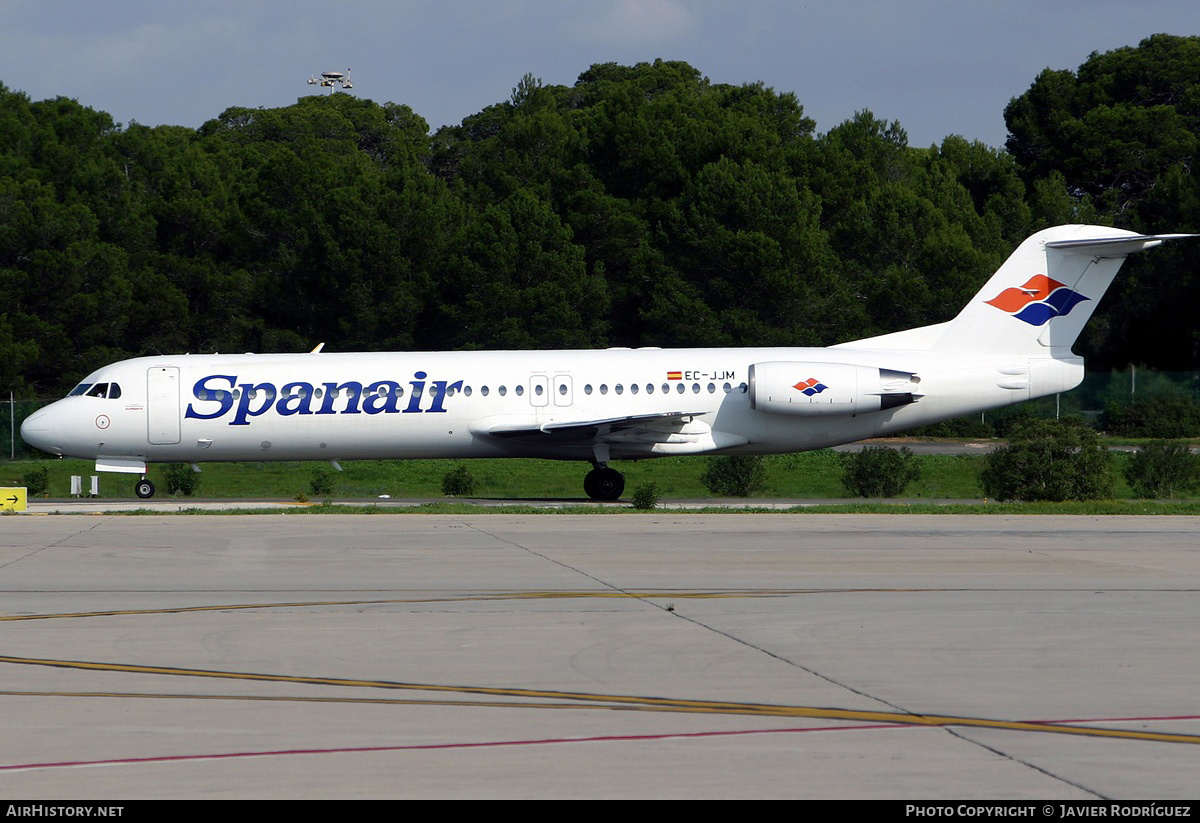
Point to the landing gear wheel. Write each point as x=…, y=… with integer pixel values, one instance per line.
x=144, y=489
x=604, y=484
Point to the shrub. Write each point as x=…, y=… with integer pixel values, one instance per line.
x=1162, y=468
x=879, y=471
x=971, y=425
x=1049, y=460
x=323, y=482
x=738, y=475
x=458, y=483
x=181, y=479
x=646, y=496
x=36, y=481
x=1175, y=415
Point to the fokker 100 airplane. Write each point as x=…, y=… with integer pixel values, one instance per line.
x=1012, y=342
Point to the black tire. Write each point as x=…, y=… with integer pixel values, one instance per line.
x=144, y=489
x=604, y=484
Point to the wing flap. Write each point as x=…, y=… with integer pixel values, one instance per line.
x=591, y=430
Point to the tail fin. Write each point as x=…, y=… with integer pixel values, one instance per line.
x=1038, y=302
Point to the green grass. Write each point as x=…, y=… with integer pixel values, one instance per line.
x=804, y=476
x=807, y=475
x=1093, y=508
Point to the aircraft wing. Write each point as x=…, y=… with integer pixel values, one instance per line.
x=590, y=431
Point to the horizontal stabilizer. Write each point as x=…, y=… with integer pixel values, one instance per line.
x=1106, y=247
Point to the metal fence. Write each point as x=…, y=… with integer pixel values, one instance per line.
x=14, y=412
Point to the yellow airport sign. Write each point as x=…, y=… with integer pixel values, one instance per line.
x=12, y=498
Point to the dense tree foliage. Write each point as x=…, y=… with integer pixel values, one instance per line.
x=643, y=205
x=1122, y=133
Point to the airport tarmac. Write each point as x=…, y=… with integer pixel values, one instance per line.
x=609, y=655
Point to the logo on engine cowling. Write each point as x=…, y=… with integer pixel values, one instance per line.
x=810, y=387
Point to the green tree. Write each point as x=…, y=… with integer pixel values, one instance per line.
x=1115, y=142
x=1117, y=124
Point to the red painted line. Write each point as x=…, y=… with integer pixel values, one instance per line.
x=69, y=764
x=125, y=761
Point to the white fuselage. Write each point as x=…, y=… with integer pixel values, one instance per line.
x=326, y=406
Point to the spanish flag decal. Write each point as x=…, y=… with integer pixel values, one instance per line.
x=674, y=375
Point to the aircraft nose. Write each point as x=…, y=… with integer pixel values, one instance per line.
x=38, y=430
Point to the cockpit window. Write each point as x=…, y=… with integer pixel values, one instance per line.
x=109, y=390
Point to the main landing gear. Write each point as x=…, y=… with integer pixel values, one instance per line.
x=603, y=483
x=144, y=488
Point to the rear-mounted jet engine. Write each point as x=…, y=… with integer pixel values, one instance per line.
x=785, y=387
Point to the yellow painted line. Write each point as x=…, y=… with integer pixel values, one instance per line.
x=226, y=607
x=396, y=701
x=675, y=595
x=659, y=703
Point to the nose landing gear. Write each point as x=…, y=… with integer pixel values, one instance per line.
x=144, y=489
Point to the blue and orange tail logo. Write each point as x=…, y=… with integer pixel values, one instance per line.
x=1038, y=301
x=810, y=386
